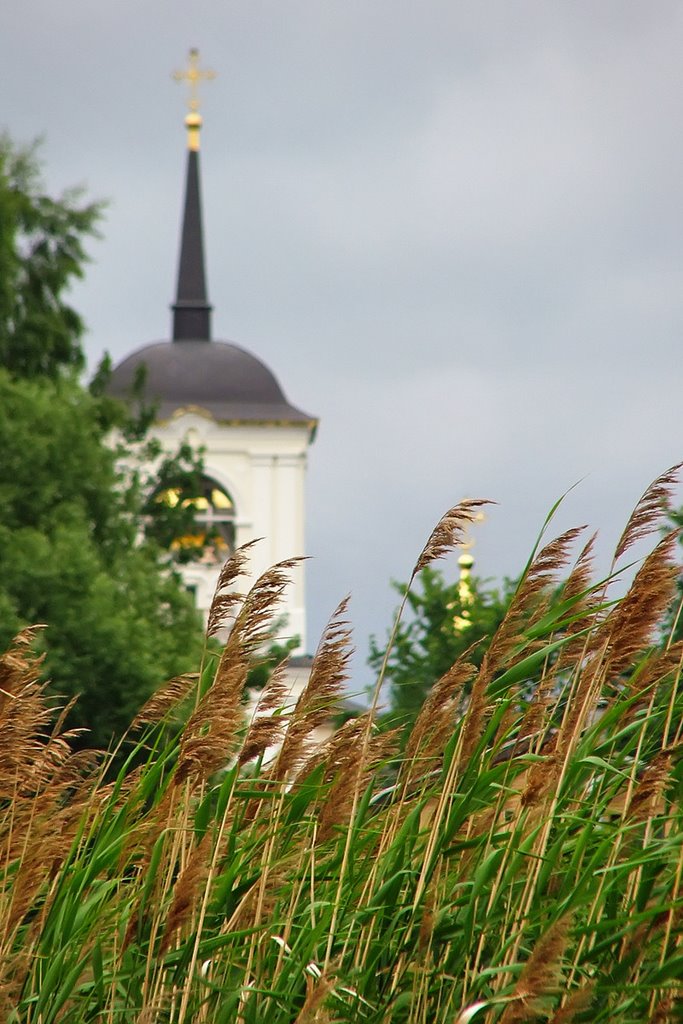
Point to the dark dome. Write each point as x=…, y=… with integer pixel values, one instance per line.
x=216, y=376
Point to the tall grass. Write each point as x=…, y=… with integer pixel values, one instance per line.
x=519, y=861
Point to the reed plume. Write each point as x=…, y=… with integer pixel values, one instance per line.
x=187, y=891
x=317, y=991
x=449, y=532
x=646, y=801
x=540, y=977
x=360, y=760
x=269, y=720
x=207, y=883
x=211, y=733
x=165, y=700
x=323, y=690
x=632, y=624
x=577, y=1003
x=225, y=598
x=651, y=510
x=435, y=723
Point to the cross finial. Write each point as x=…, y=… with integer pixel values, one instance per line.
x=193, y=75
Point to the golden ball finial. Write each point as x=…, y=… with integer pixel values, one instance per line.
x=193, y=76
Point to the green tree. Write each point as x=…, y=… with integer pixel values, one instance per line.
x=42, y=253
x=441, y=621
x=73, y=550
x=118, y=619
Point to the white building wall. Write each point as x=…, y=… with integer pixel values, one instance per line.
x=263, y=468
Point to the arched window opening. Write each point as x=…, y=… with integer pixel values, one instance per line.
x=201, y=520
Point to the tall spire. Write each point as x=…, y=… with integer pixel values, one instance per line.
x=191, y=310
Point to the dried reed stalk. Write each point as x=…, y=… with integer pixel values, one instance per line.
x=647, y=799
x=577, y=1003
x=449, y=532
x=641, y=684
x=541, y=780
x=632, y=623
x=317, y=991
x=539, y=978
x=586, y=612
x=649, y=513
x=531, y=599
x=323, y=690
x=361, y=759
x=211, y=733
x=187, y=891
x=527, y=606
x=435, y=721
x=166, y=699
x=46, y=792
x=665, y=1012
x=333, y=753
x=269, y=722
x=224, y=598
x=619, y=639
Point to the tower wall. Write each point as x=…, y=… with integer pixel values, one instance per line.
x=263, y=468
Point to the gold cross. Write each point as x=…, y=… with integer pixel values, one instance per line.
x=193, y=76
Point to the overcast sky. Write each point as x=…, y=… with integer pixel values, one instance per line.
x=453, y=230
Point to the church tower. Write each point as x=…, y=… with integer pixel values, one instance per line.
x=217, y=396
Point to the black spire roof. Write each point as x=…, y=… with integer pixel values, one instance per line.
x=191, y=311
x=217, y=378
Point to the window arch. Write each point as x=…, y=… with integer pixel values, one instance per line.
x=203, y=518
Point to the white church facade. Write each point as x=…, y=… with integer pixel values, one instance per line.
x=222, y=399
x=255, y=475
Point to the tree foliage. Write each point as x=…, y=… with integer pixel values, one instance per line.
x=73, y=550
x=71, y=556
x=42, y=253
x=441, y=622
